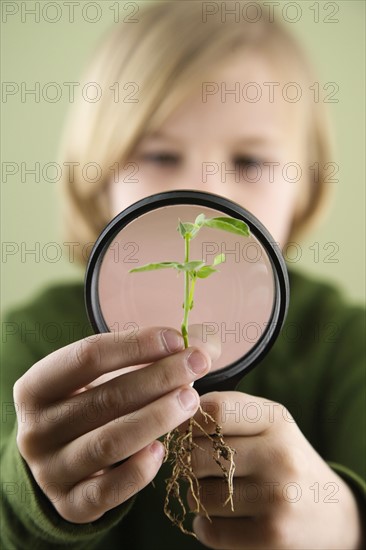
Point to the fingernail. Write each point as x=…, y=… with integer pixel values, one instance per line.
x=197, y=362
x=157, y=450
x=172, y=340
x=188, y=399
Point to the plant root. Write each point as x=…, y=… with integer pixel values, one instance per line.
x=178, y=452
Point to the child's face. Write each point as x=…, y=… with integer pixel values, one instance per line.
x=219, y=145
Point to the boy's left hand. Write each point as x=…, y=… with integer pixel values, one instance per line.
x=285, y=495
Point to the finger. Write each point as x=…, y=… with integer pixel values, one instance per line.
x=123, y=437
x=249, y=498
x=90, y=499
x=240, y=533
x=74, y=366
x=91, y=409
x=249, y=456
x=238, y=414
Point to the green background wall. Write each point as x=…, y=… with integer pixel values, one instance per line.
x=55, y=52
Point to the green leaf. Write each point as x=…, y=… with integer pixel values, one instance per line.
x=199, y=220
x=151, y=267
x=181, y=228
x=205, y=271
x=187, y=229
x=194, y=231
x=232, y=225
x=188, y=226
x=190, y=266
x=219, y=259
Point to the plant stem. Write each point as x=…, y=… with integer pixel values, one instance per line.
x=191, y=292
x=186, y=294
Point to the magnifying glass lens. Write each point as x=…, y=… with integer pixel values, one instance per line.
x=241, y=302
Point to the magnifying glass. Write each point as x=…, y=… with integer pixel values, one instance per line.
x=244, y=303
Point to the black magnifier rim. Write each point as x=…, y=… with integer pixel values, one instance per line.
x=227, y=378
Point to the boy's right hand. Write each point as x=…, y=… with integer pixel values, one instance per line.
x=75, y=434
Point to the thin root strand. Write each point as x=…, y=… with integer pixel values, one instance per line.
x=178, y=452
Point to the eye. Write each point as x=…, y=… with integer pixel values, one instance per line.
x=164, y=159
x=246, y=160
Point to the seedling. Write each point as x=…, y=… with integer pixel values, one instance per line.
x=179, y=446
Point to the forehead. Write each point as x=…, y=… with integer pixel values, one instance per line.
x=247, y=97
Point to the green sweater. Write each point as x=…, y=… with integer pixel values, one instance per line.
x=315, y=369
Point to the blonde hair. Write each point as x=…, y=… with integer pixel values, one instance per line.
x=166, y=54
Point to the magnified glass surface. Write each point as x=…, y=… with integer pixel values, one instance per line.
x=235, y=303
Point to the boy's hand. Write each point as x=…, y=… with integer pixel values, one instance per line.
x=80, y=427
x=285, y=495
